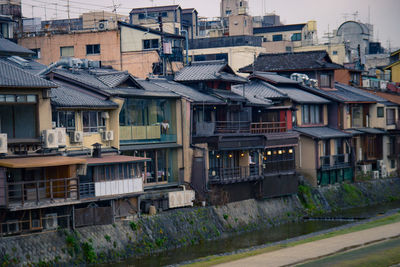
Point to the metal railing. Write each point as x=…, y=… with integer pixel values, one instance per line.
x=335, y=161
x=42, y=190
x=222, y=175
x=87, y=190
x=268, y=127
x=232, y=127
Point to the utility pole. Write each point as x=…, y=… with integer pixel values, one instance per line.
x=160, y=24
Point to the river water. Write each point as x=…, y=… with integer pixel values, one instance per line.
x=258, y=237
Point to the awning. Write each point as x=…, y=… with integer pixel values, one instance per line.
x=114, y=159
x=37, y=162
x=353, y=132
x=371, y=130
x=149, y=146
x=322, y=132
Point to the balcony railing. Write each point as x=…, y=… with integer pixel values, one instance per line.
x=157, y=133
x=41, y=192
x=268, y=127
x=235, y=174
x=111, y=188
x=220, y=127
x=335, y=161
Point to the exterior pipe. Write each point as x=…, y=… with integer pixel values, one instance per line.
x=61, y=62
x=186, y=46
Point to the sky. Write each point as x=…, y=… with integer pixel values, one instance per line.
x=329, y=14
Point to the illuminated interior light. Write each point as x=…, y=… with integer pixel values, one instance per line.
x=290, y=151
x=242, y=155
x=218, y=156
x=269, y=153
x=230, y=155
x=280, y=152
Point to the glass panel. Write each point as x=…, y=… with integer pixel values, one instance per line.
x=10, y=98
x=21, y=98
x=85, y=118
x=25, y=121
x=67, y=51
x=6, y=124
x=31, y=99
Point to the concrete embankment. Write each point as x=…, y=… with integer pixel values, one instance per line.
x=183, y=227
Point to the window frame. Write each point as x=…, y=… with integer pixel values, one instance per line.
x=151, y=44
x=100, y=122
x=322, y=80
x=312, y=114
x=390, y=120
x=68, y=115
x=65, y=47
x=93, y=49
x=380, y=112
x=277, y=37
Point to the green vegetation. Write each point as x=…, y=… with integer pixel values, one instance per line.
x=306, y=199
x=108, y=238
x=88, y=252
x=226, y=216
x=134, y=226
x=213, y=260
x=352, y=195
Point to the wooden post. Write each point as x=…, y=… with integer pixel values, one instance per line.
x=78, y=188
x=73, y=218
x=51, y=190
x=22, y=194
x=65, y=188
x=37, y=192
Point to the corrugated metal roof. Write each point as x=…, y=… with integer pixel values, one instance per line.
x=322, y=132
x=67, y=96
x=9, y=48
x=12, y=76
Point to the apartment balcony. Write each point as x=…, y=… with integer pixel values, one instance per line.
x=111, y=188
x=234, y=175
x=40, y=193
x=338, y=161
x=146, y=134
x=231, y=127
x=279, y=167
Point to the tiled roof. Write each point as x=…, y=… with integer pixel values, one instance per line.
x=301, y=96
x=322, y=132
x=395, y=98
x=340, y=94
x=154, y=9
x=9, y=48
x=310, y=60
x=251, y=95
x=28, y=65
x=228, y=95
x=66, y=96
x=272, y=77
x=281, y=28
x=260, y=89
x=208, y=71
x=360, y=92
x=371, y=130
x=12, y=76
x=186, y=91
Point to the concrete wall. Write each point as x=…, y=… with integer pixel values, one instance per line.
x=337, y=52
x=305, y=159
x=238, y=56
x=50, y=46
x=240, y=25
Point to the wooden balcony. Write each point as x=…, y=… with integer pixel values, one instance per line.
x=40, y=193
x=268, y=127
x=229, y=127
x=111, y=188
x=234, y=175
x=335, y=161
x=279, y=166
x=145, y=133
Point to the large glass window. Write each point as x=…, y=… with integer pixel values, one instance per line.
x=296, y=36
x=357, y=116
x=65, y=119
x=18, y=116
x=93, y=121
x=312, y=114
x=92, y=49
x=325, y=80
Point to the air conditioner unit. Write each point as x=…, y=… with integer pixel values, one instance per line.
x=51, y=221
x=77, y=137
x=102, y=26
x=50, y=139
x=379, y=163
x=3, y=143
x=384, y=172
x=61, y=137
x=376, y=174
x=108, y=135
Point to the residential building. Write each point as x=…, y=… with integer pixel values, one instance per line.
x=237, y=51
x=337, y=52
x=394, y=66
x=6, y=27
x=190, y=22
x=284, y=38
x=151, y=17
x=130, y=47
x=238, y=141
x=12, y=9
x=233, y=8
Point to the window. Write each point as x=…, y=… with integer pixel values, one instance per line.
x=245, y=23
x=277, y=37
x=150, y=44
x=312, y=114
x=37, y=53
x=296, y=37
x=176, y=30
x=288, y=49
x=325, y=80
x=18, y=116
x=380, y=112
x=356, y=116
x=228, y=12
x=65, y=119
x=93, y=121
x=265, y=39
x=334, y=52
x=390, y=116
x=141, y=16
x=4, y=30
x=92, y=49
x=66, y=51
x=241, y=4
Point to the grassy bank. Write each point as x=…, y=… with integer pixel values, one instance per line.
x=212, y=260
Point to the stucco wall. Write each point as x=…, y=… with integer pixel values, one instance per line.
x=305, y=159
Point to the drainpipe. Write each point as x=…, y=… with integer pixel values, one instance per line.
x=182, y=134
x=186, y=46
